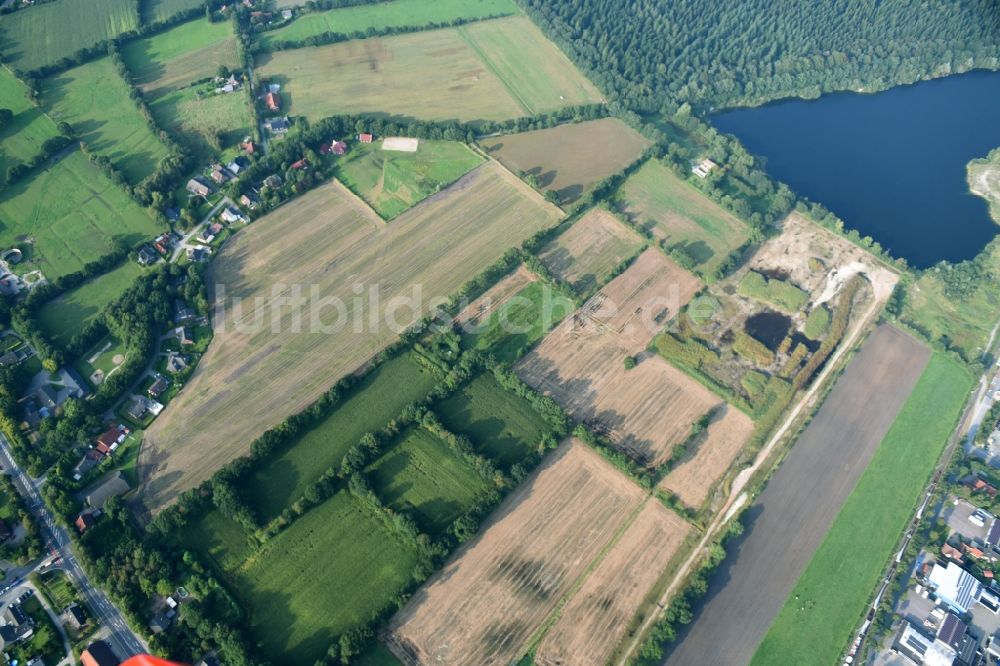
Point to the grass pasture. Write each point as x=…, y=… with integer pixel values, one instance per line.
x=62, y=233
x=326, y=237
x=571, y=158
x=181, y=55
x=46, y=33
x=831, y=595
x=221, y=539
x=64, y=317
x=420, y=476
x=194, y=119
x=93, y=99
x=392, y=181
x=154, y=11
x=396, y=14
x=680, y=216
x=22, y=139
x=334, y=569
x=587, y=253
x=502, y=426
x=378, y=399
x=455, y=73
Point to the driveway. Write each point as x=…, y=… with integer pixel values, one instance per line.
x=957, y=515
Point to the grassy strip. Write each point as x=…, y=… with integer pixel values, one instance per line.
x=831, y=595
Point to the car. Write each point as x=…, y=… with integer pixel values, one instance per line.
x=978, y=518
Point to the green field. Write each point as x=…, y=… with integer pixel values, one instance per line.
x=332, y=570
x=520, y=322
x=493, y=70
x=62, y=319
x=392, y=181
x=371, y=405
x=22, y=139
x=397, y=14
x=678, y=214
x=420, y=476
x=830, y=598
x=59, y=234
x=153, y=11
x=212, y=534
x=194, y=115
x=100, y=358
x=501, y=425
x=181, y=55
x=94, y=100
x=51, y=31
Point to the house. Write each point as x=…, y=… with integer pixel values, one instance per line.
x=183, y=334
x=35, y=661
x=951, y=552
x=230, y=214
x=286, y=14
x=112, y=486
x=981, y=486
x=300, y=164
x=272, y=182
x=973, y=552
x=248, y=146
x=147, y=256
x=90, y=460
x=182, y=313
x=365, y=138
x=199, y=188
x=221, y=175
x=17, y=626
x=339, y=148
x=75, y=616
x=163, y=243
x=99, y=653
x=176, y=363
x=250, y=200
x=160, y=623
x=109, y=440
x=173, y=214
x=47, y=397
x=85, y=521
x=137, y=410
x=196, y=254
x=272, y=101
x=209, y=233
x=277, y=125
x=237, y=165
x=921, y=648
x=955, y=587
x=158, y=387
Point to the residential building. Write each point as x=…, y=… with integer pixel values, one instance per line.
x=230, y=214
x=183, y=334
x=277, y=125
x=99, y=653
x=920, y=648
x=272, y=101
x=158, y=387
x=75, y=616
x=112, y=486
x=85, y=521
x=250, y=200
x=91, y=459
x=199, y=188
x=272, y=182
x=147, y=256
x=955, y=587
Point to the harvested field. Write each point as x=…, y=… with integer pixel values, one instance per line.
x=801, y=500
x=695, y=477
x=258, y=372
x=570, y=159
x=681, y=216
x=586, y=254
x=496, y=591
x=469, y=73
x=494, y=297
x=598, y=615
x=645, y=411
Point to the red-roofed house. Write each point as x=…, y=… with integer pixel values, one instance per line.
x=301, y=164
x=950, y=552
x=85, y=521
x=365, y=138
x=109, y=440
x=273, y=101
x=974, y=552
x=338, y=148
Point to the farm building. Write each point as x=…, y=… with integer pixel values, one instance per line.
x=955, y=587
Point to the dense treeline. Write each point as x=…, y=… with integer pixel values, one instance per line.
x=651, y=54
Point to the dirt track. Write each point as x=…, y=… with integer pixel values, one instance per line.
x=789, y=520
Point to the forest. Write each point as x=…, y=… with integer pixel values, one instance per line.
x=654, y=55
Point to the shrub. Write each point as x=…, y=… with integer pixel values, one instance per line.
x=817, y=323
x=779, y=293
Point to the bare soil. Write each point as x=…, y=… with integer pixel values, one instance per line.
x=599, y=614
x=495, y=592
x=695, y=477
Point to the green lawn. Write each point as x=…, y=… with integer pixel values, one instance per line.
x=153, y=11
x=508, y=332
x=93, y=99
x=392, y=182
x=218, y=537
x=502, y=425
x=378, y=399
x=420, y=476
x=397, y=14
x=334, y=569
x=677, y=213
x=60, y=234
x=100, y=359
x=43, y=34
x=62, y=319
x=22, y=139
x=181, y=55
x=830, y=597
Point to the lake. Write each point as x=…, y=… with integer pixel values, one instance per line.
x=890, y=164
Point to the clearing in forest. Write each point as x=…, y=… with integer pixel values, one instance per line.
x=645, y=410
x=694, y=478
x=586, y=255
x=485, y=71
x=683, y=218
x=599, y=614
x=265, y=366
x=493, y=593
x=571, y=158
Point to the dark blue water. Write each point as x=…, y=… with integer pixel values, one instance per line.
x=891, y=164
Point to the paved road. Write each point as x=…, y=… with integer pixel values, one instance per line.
x=122, y=640
x=186, y=240
x=786, y=524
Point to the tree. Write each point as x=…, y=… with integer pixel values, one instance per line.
x=6, y=115
x=50, y=365
x=630, y=362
